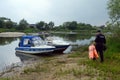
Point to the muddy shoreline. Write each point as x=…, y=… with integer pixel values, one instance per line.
x=17, y=68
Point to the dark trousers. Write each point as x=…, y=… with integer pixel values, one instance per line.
x=101, y=55
x=99, y=49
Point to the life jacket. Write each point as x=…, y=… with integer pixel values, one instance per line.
x=92, y=52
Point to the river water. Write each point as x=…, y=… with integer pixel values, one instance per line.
x=8, y=56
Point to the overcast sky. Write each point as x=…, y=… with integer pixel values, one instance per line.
x=87, y=11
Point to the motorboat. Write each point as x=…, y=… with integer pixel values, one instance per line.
x=33, y=45
x=60, y=44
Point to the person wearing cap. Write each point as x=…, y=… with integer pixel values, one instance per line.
x=100, y=41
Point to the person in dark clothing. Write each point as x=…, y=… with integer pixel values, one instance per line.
x=100, y=41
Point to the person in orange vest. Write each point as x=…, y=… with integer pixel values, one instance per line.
x=92, y=52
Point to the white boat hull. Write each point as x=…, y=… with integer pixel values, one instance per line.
x=35, y=50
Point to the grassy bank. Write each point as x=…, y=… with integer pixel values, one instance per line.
x=112, y=57
x=61, y=67
x=75, y=66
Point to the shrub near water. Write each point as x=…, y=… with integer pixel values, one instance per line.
x=113, y=44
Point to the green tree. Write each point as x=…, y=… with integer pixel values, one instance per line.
x=83, y=26
x=114, y=13
x=51, y=24
x=9, y=24
x=70, y=25
x=40, y=25
x=46, y=27
x=66, y=25
x=73, y=25
x=22, y=25
x=114, y=10
x=1, y=23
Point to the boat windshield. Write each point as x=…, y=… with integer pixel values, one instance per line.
x=37, y=41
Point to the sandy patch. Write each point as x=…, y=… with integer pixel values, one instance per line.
x=11, y=34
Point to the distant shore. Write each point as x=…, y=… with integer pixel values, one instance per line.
x=11, y=34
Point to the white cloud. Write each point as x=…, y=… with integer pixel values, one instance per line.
x=28, y=9
x=30, y=4
x=59, y=11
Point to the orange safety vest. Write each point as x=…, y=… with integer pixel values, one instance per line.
x=92, y=52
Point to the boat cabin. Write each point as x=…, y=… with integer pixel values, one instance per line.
x=29, y=41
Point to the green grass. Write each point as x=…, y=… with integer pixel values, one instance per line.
x=112, y=57
x=109, y=69
x=37, y=68
x=4, y=79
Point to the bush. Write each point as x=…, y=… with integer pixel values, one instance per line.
x=113, y=43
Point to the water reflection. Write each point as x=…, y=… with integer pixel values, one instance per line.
x=72, y=37
x=24, y=57
x=7, y=54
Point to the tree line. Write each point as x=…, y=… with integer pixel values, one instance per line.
x=6, y=23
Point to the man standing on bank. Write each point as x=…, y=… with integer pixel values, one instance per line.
x=100, y=41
